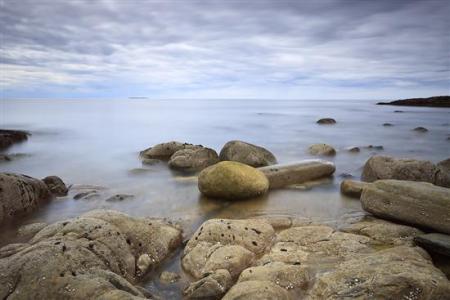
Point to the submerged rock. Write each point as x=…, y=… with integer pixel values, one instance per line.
x=164, y=150
x=93, y=256
x=443, y=173
x=119, y=197
x=417, y=203
x=354, y=150
x=388, y=124
x=56, y=186
x=20, y=195
x=232, y=181
x=193, y=159
x=326, y=121
x=247, y=153
x=288, y=174
x=10, y=137
x=420, y=129
x=321, y=149
x=353, y=188
x=434, y=242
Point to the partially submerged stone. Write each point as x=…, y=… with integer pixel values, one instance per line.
x=288, y=174
x=164, y=150
x=321, y=149
x=353, y=188
x=56, y=186
x=10, y=137
x=193, y=159
x=247, y=153
x=434, y=242
x=416, y=203
x=232, y=181
x=326, y=121
x=420, y=129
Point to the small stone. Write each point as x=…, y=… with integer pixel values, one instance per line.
x=169, y=277
x=420, y=129
x=321, y=149
x=326, y=121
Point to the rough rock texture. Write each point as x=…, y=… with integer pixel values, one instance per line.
x=396, y=273
x=436, y=101
x=261, y=290
x=434, y=242
x=386, y=167
x=10, y=137
x=194, y=159
x=284, y=175
x=326, y=121
x=417, y=203
x=95, y=256
x=232, y=180
x=20, y=194
x=248, y=154
x=164, y=151
x=353, y=188
x=321, y=149
x=30, y=230
x=56, y=186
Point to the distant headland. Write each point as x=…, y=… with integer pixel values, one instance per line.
x=437, y=101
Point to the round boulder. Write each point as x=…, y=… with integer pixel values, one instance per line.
x=164, y=150
x=326, y=121
x=232, y=180
x=321, y=149
x=195, y=159
x=56, y=186
x=248, y=154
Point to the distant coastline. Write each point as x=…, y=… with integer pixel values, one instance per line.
x=437, y=101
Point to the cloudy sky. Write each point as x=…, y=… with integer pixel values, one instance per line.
x=304, y=49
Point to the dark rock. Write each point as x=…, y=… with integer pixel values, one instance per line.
x=434, y=242
x=193, y=159
x=56, y=186
x=354, y=150
x=10, y=137
x=346, y=175
x=388, y=124
x=437, y=101
x=443, y=173
x=398, y=111
x=86, y=195
x=420, y=129
x=164, y=151
x=247, y=153
x=119, y=197
x=372, y=147
x=326, y=121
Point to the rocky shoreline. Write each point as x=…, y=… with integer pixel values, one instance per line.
x=437, y=101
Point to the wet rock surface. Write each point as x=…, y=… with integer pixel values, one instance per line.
x=321, y=149
x=294, y=173
x=417, y=203
x=353, y=188
x=10, y=137
x=434, y=242
x=94, y=256
x=232, y=181
x=193, y=159
x=247, y=153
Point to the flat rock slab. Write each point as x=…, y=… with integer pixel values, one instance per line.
x=435, y=242
x=288, y=174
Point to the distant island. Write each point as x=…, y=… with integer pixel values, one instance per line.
x=137, y=97
x=437, y=101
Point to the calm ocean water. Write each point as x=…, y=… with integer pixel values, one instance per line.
x=97, y=142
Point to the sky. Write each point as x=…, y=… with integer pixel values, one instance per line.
x=176, y=49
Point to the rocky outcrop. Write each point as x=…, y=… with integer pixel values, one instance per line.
x=326, y=121
x=10, y=137
x=193, y=159
x=418, y=203
x=56, y=186
x=164, y=151
x=284, y=175
x=437, y=101
x=20, y=195
x=232, y=181
x=420, y=129
x=386, y=167
x=99, y=255
x=353, y=188
x=248, y=154
x=434, y=242
x=321, y=149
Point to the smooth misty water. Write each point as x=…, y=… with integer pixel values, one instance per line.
x=97, y=142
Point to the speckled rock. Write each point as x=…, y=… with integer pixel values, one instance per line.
x=353, y=188
x=56, y=186
x=247, y=153
x=30, y=230
x=164, y=151
x=232, y=181
x=257, y=289
x=321, y=149
x=194, y=159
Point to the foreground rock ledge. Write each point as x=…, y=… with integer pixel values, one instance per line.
x=99, y=255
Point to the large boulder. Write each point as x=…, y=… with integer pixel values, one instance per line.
x=248, y=154
x=164, y=151
x=10, y=137
x=20, y=195
x=417, y=203
x=396, y=273
x=193, y=159
x=321, y=149
x=99, y=255
x=232, y=180
x=284, y=175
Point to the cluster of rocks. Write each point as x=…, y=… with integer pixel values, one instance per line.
x=10, y=137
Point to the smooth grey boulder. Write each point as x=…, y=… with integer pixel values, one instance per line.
x=247, y=153
x=20, y=195
x=434, y=242
x=164, y=151
x=288, y=174
x=416, y=203
x=193, y=159
x=321, y=149
x=56, y=186
x=353, y=188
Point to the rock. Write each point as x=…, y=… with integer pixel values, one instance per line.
x=232, y=181
x=416, y=203
x=372, y=147
x=443, y=173
x=119, y=197
x=93, y=256
x=352, y=188
x=248, y=154
x=396, y=273
x=10, y=137
x=354, y=150
x=321, y=149
x=164, y=151
x=192, y=160
x=211, y=286
x=436, y=101
x=169, y=277
x=434, y=242
x=261, y=290
x=420, y=129
x=11, y=157
x=386, y=167
x=388, y=124
x=326, y=121
x=56, y=186
x=284, y=175
x=30, y=229
x=20, y=195
x=398, y=111
x=150, y=161
x=384, y=232
x=87, y=195
x=346, y=175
